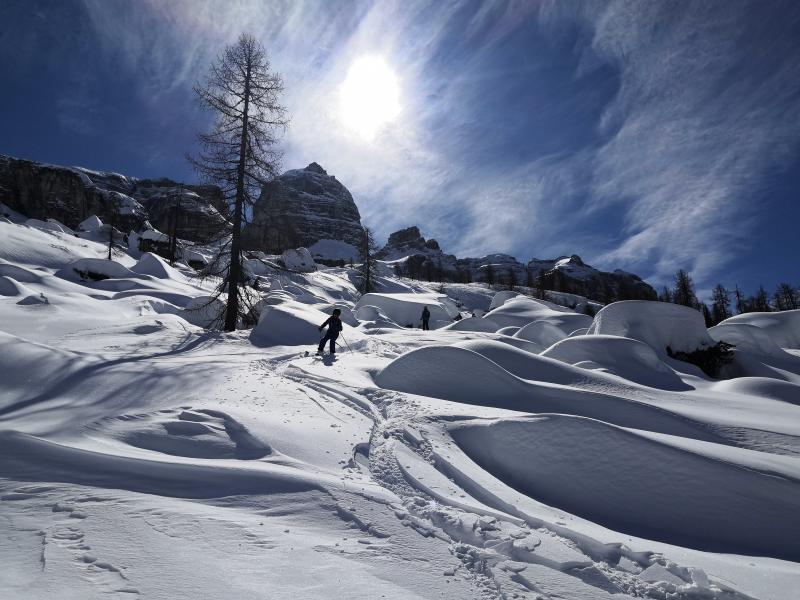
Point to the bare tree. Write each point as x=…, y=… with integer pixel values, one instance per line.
x=239, y=154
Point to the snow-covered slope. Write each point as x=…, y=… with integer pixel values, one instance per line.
x=144, y=456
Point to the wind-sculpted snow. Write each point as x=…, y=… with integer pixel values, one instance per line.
x=782, y=327
x=622, y=480
x=406, y=309
x=27, y=457
x=473, y=324
x=520, y=311
x=152, y=264
x=661, y=325
x=292, y=324
x=761, y=387
x=465, y=376
x=630, y=359
x=546, y=332
x=143, y=452
x=758, y=353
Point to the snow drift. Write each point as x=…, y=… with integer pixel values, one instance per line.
x=406, y=309
x=637, y=485
x=625, y=357
x=658, y=324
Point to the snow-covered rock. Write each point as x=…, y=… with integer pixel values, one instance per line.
x=406, y=309
x=625, y=357
x=89, y=224
x=298, y=260
x=782, y=327
x=334, y=250
x=660, y=325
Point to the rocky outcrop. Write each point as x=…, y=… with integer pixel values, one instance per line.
x=72, y=194
x=417, y=257
x=300, y=208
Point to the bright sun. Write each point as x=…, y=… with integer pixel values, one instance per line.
x=369, y=97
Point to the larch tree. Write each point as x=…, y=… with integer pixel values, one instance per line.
x=367, y=270
x=721, y=304
x=240, y=153
x=684, y=293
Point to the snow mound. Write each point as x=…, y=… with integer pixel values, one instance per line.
x=635, y=484
x=291, y=324
x=746, y=337
x=204, y=311
x=20, y=274
x=782, y=327
x=152, y=264
x=406, y=309
x=453, y=373
x=194, y=433
x=462, y=375
x=473, y=324
x=761, y=387
x=657, y=324
x=371, y=317
x=10, y=287
x=334, y=250
x=510, y=331
x=625, y=357
x=26, y=456
x=518, y=312
x=526, y=365
x=95, y=268
x=92, y=223
x=546, y=332
x=299, y=260
x=501, y=298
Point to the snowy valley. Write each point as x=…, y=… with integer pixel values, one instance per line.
x=528, y=451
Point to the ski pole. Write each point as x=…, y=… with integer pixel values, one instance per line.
x=348, y=345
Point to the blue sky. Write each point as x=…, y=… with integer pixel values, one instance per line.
x=648, y=136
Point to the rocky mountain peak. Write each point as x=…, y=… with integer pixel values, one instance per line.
x=316, y=168
x=409, y=235
x=299, y=209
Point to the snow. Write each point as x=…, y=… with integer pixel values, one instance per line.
x=491, y=457
x=92, y=223
x=292, y=323
x=298, y=260
x=406, y=309
x=658, y=324
x=625, y=357
x=782, y=327
x=334, y=250
x=154, y=265
x=473, y=324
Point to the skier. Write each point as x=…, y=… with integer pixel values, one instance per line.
x=426, y=315
x=334, y=325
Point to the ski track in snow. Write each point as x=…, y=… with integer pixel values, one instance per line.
x=141, y=456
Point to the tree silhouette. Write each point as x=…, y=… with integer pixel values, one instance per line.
x=239, y=153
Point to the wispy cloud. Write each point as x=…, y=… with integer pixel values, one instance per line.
x=633, y=133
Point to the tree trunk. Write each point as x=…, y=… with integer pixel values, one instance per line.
x=234, y=272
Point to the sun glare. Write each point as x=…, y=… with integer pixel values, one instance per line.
x=369, y=97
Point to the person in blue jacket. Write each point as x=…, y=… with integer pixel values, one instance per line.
x=334, y=325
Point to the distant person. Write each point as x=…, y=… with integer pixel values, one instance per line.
x=334, y=325
x=426, y=315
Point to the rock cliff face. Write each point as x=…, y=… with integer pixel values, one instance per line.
x=300, y=208
x=71, y=194
x=421, y=258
